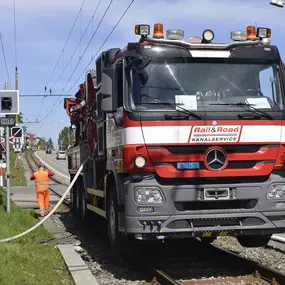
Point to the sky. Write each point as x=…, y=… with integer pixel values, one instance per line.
x=42, y=28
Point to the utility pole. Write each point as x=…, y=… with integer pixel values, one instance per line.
x=17, y=88
x=17, y=123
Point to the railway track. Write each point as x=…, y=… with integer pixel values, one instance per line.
x=254, y=273
x=162, y=269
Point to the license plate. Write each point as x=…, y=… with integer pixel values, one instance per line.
x=188, y=165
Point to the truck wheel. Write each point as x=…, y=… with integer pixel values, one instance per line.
x=207, y=240
x=254, y=240
x=117, y=240
x=75, y=199
x=82, y=205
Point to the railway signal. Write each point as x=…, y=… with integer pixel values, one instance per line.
x=16, y=132
x=9, y=102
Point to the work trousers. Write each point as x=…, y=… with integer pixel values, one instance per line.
x=43, y=201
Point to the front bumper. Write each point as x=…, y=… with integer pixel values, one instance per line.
x=182, y=213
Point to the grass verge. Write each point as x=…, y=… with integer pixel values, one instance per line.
x=25, y=261
x=21, y=181
x=14, y=181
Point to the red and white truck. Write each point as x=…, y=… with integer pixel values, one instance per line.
x=185, y=138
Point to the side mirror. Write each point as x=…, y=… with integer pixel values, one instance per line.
x=109, y=90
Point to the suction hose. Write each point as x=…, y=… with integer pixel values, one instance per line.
x=51, y=212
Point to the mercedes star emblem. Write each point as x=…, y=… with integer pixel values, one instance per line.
x=216, y=159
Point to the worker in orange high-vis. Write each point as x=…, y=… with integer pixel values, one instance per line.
x=42, y=187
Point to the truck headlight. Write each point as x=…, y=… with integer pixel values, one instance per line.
x=276, y=191
x=148, y=195
x=140, y=161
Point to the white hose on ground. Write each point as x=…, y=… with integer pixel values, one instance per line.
x=50, y=213
x=277, y=238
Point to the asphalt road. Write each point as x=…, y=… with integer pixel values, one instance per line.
x=58, y=166
x=60, y=169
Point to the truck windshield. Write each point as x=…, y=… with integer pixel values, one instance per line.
x=200, y=86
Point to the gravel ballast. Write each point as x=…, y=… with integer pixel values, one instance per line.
x=181, y=260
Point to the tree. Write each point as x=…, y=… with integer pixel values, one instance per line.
x=50, y=143
x=65, y=138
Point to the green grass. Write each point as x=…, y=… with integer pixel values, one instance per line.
x=25, y=261
x=14, y=181
x=21, y=181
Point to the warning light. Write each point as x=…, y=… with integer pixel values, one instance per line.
x=158, y=31
x=251, y=32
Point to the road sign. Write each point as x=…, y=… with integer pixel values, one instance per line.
x=17, y=145
x=2, y=140
x=11, y=140
x=9, y=102
x=7, y=122
x=16, y=132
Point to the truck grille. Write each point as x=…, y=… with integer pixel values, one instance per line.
x=216, y=205
x=200, y=149
x=243, y=164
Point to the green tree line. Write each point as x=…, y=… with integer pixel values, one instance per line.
x=65, y=138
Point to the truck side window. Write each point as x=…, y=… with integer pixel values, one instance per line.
x=268, y=81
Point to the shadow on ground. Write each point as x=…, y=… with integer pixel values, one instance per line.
x=181, y=259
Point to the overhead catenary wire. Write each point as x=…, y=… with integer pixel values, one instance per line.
x=93, y=35
x=107, y=38
x=98, y=50
x=90, y=41
x=78, y=45
x=5, y=61
x=69, y=35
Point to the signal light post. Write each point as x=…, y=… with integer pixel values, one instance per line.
x=9, y=105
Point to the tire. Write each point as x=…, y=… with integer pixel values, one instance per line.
x=119, y=243
x=254, y=241
x=207, y=240
x=75, y=199
x=82, y=205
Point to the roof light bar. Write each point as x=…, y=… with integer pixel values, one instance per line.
x=239, y=35
x=175, y=34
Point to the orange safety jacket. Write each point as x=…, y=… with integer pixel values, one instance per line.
x=41, y=179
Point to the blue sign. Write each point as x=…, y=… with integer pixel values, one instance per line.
x=188, y=165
